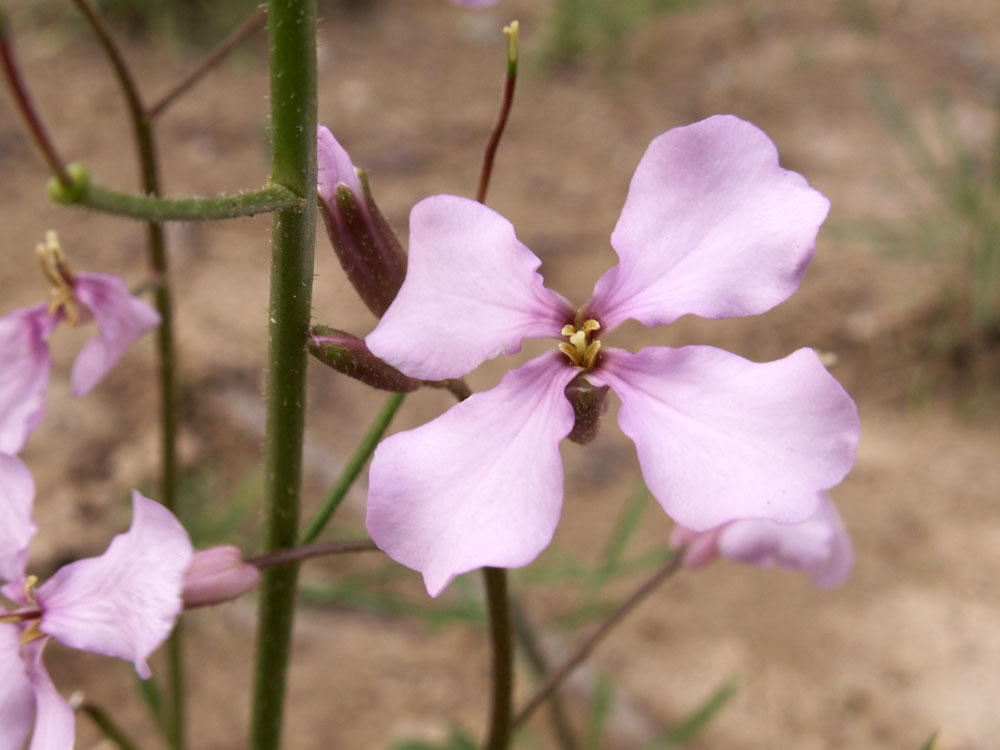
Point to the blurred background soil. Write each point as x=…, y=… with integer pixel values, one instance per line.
x=911, y=644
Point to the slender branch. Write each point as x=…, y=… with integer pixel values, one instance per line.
x=353, y=467
x=501, y=636
x=587, y=646
x=505, y=105
x=149, y=170
x=297, y=554
x=539, y=663
x=157, y=209
x=107, y=726
x=25, y=105
x=291, y=26
x=248, y=28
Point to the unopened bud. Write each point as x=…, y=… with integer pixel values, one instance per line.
x=216, y=575
x=697, y=549
x=349, y=355
x=368, y=249
x=588, y=406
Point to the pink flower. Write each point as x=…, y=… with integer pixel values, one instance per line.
x=818, y=546
x=123, y=603
x=712, y=226
x=474, y=3
x=77, y=297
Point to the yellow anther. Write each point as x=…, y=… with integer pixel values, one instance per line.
x=581, y=350
x=56, y=269
x=31, y=633
x=512, y=46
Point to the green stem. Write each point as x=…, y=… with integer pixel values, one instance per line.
x=292, y=37
x=154, y=208
x=353, y=468
x=142, y=128
x=501, y=636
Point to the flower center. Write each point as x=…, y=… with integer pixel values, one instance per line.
x=581, y=349
x=56, y=269
x=32, y=616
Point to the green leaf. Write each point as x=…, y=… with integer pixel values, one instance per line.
x=600, y=711
x=931, y=742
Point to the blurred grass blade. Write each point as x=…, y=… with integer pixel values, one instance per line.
x=600, y=712
x=614, y=551
x=931, y=743
x=697, y=721
x=111, y=731
x=152, y=698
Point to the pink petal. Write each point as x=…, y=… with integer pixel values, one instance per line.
x=24, y=375
x=17, y=699
x=121, y=319
x=697, y=549
x=124, y=602
x=712, y=226
x=474, y=3
x=819, y=546
x=55, y=725
x=17, y=493
x=471, y=292
x=334, y=167
x=721, y=438
x=481, y=484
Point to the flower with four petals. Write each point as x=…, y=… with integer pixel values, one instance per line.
x=24, y=351
x=712, y=226
x=123, y=603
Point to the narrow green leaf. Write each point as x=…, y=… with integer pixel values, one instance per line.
x=931, y=742
x=600, y=711
x=697, y=720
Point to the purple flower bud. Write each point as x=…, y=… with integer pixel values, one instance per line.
x=217, y=575
x=349, y=355
x=588, y=406
x=368, y=249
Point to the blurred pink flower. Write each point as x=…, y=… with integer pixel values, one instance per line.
x=819, y=546
x=77, y=297
x=123, y=603
x=712, y=226
x=474, y=3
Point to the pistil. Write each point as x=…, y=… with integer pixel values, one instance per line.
x=55, y=267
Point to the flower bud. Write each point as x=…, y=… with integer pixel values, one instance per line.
x=350, y=355
x=217, y=575
x=368, y=249
x=588, y=406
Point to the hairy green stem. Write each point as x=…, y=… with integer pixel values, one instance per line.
x=353, y=467
x=156, y=209
x=502, y=638
x=292, y=36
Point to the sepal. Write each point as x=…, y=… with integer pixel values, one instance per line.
x=349, y=355
x=589, y=405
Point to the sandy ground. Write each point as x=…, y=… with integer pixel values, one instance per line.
x=910, y=645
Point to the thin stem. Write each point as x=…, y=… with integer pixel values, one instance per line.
x=107, y=726
x=292, y=36
x=25, y=105
x=157, y=209
x=539, y=663
x=156, y=243
x=353, y=467
x=248, y=28
x=587, y=646
x=297, y=554
x=501, y=636
x=505, y=105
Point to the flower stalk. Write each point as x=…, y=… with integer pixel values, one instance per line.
x=502, y=638
x=292, y=37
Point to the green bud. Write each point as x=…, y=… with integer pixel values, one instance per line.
x=74, y=192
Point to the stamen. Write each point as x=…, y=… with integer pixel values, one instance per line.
x=31, y=633
x=582, y=352
x=56, y=269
